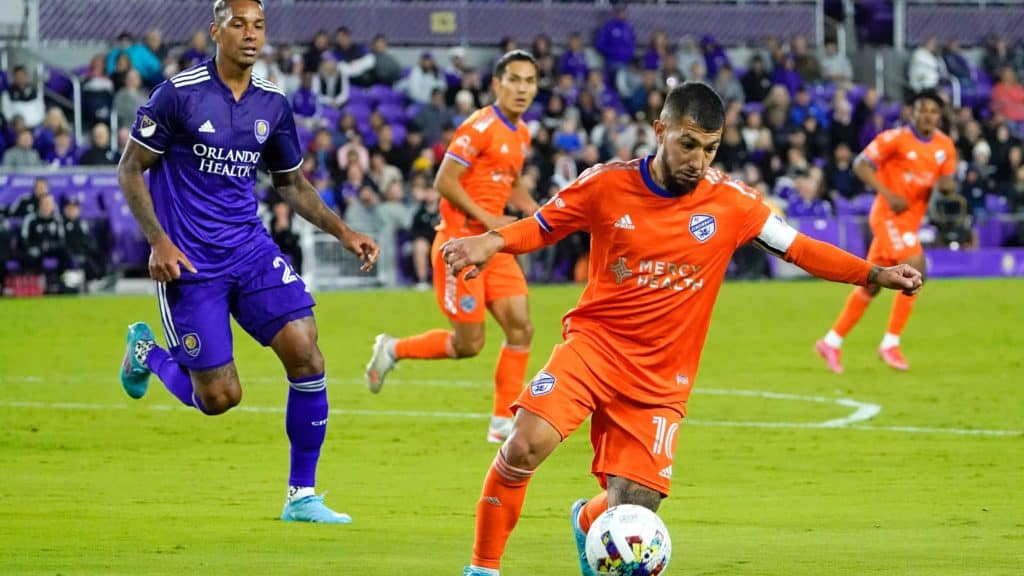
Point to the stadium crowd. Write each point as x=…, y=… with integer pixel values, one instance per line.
x=374, y=131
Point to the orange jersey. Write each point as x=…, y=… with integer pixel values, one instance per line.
x=656, y=265
x=909, y=167
x=493, y=149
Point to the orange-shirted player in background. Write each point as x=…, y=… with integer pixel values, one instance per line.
x=663, y=229
x=478, y=177
x=903, y=166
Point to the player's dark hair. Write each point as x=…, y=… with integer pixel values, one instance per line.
x=220, y=9
x=697, y=101
x=513, y=56
x=929, y=94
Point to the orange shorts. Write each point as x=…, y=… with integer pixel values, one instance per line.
x=631, y=440
x=895, y=241
x=466, y=301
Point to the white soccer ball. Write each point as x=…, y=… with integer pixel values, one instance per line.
x=628, y=540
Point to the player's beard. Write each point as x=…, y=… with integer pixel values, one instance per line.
x=674, y=186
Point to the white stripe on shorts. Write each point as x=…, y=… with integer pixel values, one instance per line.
x=165, y=315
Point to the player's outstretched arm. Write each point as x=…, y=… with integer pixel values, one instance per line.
x=832, y=263
x=304, y=199
x=471, y=252
x=867, y=173
x=165, y=259
x=448, y=185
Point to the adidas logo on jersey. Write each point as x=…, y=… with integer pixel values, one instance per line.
x=207, y=128
x=666, y=472
x=626, y=223
x=504, y=148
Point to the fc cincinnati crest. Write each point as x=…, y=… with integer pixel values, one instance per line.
x=702, y=226
x=542, y=384
x=192, y=344
x=262, y=130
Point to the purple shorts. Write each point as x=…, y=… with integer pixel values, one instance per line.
x=263, y=294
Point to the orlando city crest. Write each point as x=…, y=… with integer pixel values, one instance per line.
x=192, y=344
x=702, y=226
x=262, y=129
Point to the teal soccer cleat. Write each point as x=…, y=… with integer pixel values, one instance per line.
x=134, y=373
x=580, y=536
x=474, y=571
x=312, y=509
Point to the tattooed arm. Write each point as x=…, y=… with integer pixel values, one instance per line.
x=306, y=202
x=164, y=256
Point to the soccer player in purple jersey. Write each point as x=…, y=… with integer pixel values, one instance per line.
x=201, y=136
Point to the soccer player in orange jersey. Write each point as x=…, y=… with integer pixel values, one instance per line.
x=663, y=229
x=478, y=177
x=903, y=166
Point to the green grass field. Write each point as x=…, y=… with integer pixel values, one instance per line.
x=96, y=483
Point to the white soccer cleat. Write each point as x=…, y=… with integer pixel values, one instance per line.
x=382, y=362
x=499, y=429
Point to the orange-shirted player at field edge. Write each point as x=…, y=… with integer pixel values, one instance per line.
x=478, y=177
x=663, y=229
x=902, y=165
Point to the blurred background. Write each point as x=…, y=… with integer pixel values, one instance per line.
x=378, y=87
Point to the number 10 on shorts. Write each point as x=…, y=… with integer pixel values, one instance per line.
x=664, y=437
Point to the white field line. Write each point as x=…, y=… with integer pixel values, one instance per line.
x=861, y=411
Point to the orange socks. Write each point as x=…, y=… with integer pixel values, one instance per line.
x=509, y=376
x=592, y=509
x=856, y=303
x=901, y=308
x=497, y=511
x=430, y=344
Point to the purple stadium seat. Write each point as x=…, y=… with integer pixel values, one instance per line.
x=360, y=113
x=856, y=93
x=990, y=234
x=862, y=203
x=399, y=131
x=751, y=107
x=59, y=82
x=852, y=234
x=305, y=135
x=380, y=93
x=997, y=204
x=411, y=110
x=330, y=115
x=391, y=112
x=3, y=80
x=841, y=206
x=824, y=229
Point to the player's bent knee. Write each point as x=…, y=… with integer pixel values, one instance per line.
x=219, y=401
x=468, y=347
x=520, y=452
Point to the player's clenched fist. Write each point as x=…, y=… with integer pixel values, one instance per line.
x=461, y=253
x=900, y=277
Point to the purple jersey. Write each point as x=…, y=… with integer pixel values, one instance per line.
x=202, y=187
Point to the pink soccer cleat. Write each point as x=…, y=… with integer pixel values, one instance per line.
x=830, y=354
x=893, y=357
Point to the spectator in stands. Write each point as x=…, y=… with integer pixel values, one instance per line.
x=840, y=181
x=656, y=51
x=422, y=231
x=569, y=137
x=332, y=84
x=807, y=202
x=714, y=55
x=728, y=87
x=865, y=109
x=292, y=72
x=140, y=56
x=305, y=100
x=284, y=236
x=99, y=153
x=399, y=156
x=394, y=216
x=434, y=117
x=63, y=153
x=688, y=54
x=80, y=242
x=29, y=203
x=602, y=93
x=968, y=138
x=349, y=190
x=42, y=236
x=803, y=106
x=97, y=94
x=957, y=65
x=198, y=50
x=345, y=48
x=1008, y=101
x=322, y=148
x=997, y=56
x=732, y=152
x=587, y=112
x=381, y=173
x=628, y=78
x=22, y=98
x=423, y=80
x=757, y=138
x=615, y=41
x=122, y=65
x=1004, y=144
x=129, y=98
x=926, y=68
x=605, y=134
x=24, y=154
x=266, y=66
x=361, y=211
x=756, y=81
x=805, y=61
x=786, y=75
x=841, y=128
x=835, y=67
x=386, y=70
x=465, y=105
x=353, y=150
x=457, y=68
x=45, y=133
x=573, y=61
x=315, y=51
